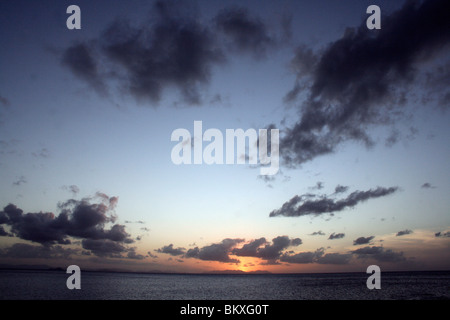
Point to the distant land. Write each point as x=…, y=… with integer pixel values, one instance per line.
x=41, y=267
x=44, y=267
x=30, y=267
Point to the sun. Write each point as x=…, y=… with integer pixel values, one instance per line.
x=247, y=264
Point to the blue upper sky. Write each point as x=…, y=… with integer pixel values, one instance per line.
x=86, y=118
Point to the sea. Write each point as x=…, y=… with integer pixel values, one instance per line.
x=51, y=285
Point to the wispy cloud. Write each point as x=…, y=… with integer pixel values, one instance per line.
x=309, y=204
x=176, y=49
x=442, y=234
x=78, y=219
x=404, y=232
x=336, y=236
x=260, y=248
x=244, y=32
x=340, y=189
x=21, y=180
x=82, y=62
x=173, y=50
x=427, y=185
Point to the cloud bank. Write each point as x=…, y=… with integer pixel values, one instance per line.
x=280, y=250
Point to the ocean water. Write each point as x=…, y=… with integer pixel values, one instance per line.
x=51, y=285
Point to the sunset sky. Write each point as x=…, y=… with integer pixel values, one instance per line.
x=86, y=117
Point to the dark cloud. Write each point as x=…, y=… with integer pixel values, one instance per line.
x=79, y=58
x=272, y=252
x=437, y=82
x=427, y=185
x=192, y=253
x=303, y=205
x=245, y=33
x=296, y=242
x=317, y=233
x=215, y=252
x=360, y=80
x=276, y=253
x=336, y=236
x=442, y=234
x=404, y=232
x=171, y=50
x=138, y=221
x=3, y=217
x=79, y=219
x=36, y=227
x=362, y=240
x=262, y=249
x=303, y=62
x=340, y=189
x=258, y=248
x=379, y=254
x=104, y=247
x=318, y=186
x=171, y=250
x=393, y=138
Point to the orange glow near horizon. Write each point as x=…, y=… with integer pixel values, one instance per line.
x=253, y=265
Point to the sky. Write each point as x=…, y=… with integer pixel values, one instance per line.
x=87, y=116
